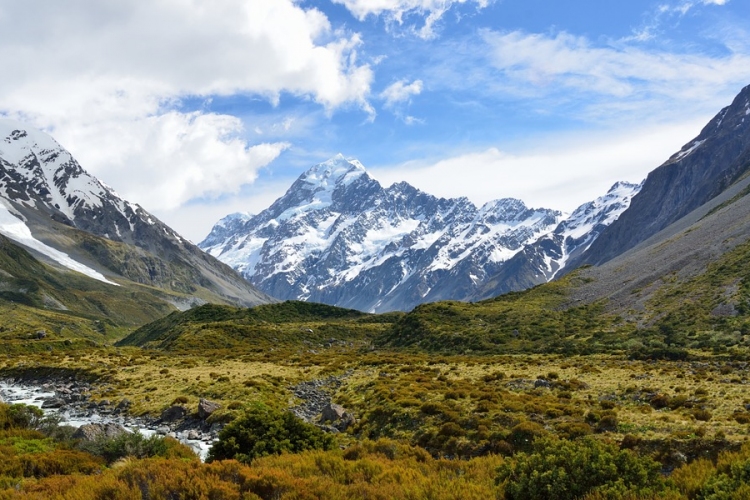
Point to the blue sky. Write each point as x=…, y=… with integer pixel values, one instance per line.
x=195, y=110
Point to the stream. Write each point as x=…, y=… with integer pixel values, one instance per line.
x=74, y=409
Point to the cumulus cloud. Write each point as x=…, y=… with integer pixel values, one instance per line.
x=107, y=79
x=181, y=48
x=162, y=162
x=396, y=11
x=400, y=91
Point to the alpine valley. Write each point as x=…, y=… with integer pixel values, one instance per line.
x=598, y=355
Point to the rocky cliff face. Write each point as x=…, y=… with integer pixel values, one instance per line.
x=59, y=207
x=700, y=171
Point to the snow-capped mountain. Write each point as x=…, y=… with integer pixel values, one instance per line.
x=37, y=173
x=338, y=237
x=51, y=206
x=547, y=257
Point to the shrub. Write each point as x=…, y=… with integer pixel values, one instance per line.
x=660, y=401
x=261, y=432
x=136, y=445
x=573, y=430
x=523, y=435
x=20, y=416
x=731, y=483
x=566, y=470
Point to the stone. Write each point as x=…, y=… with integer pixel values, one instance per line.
x=193, y=435
x=542, y=383
x=206, y=408
x=92, y=432
x=175, y=412
x=338, y=415
x=332, y=413
x=53, y=403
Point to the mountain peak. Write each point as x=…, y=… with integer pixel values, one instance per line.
x=338, y=170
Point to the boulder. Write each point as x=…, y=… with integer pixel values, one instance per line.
x=206, y=408
x=92, y=432
x=175, y=412
x=53, y=403
x=332, y=413
x=338, y=415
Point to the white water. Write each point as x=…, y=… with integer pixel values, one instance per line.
x=36, y=395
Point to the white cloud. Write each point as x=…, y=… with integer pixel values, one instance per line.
x=400, y=91
x=664, y=13
x=555, y=174
x=612, y=77
x=107, y=78
x=173, y=48
x=163, y=161
x=396, y=10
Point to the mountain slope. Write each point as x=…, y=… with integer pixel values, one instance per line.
x=544, y=259
x=701, y=170
x=686, y=287
x=73, y=222
x=338, y=237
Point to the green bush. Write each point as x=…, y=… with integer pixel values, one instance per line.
x=566, y=470
x=732, y=483
x=136, y=445
x=20, y=416
x=261, y=432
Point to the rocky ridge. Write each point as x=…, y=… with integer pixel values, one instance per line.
x=338, y=237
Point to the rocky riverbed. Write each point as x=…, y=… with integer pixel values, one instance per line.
x=70, y=399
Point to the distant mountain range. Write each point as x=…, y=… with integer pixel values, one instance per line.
x=72, y=222
x=338, y=237
x=69, y=243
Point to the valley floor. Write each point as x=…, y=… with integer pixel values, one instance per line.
x=425, y=426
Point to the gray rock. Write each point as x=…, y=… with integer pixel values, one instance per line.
x=92, y=432
x=338, y=415
x=53, y=403
x=332, y=413
x=206, y=408
x=542, y=383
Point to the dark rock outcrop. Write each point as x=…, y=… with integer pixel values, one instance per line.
x=173, y=413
